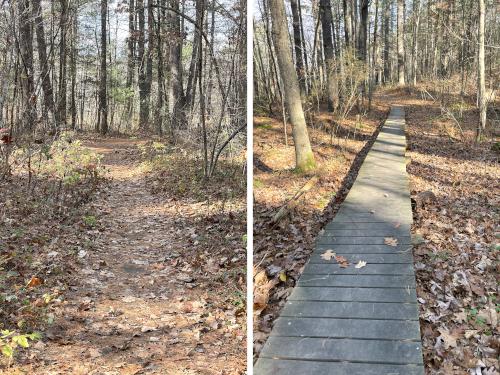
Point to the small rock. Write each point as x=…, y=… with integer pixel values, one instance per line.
x=129, y=299
x=184, y=278
x=272, y=270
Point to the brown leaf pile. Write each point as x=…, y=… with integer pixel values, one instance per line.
x=457, y=264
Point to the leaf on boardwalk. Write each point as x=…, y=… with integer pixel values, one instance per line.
x=328, y=255
x=391, y=241
x=360, y=264
x=343, y=263
x=397, y=225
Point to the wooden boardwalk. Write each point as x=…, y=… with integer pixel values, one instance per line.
x=357, y=321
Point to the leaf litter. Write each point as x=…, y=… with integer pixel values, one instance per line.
x=121, y=302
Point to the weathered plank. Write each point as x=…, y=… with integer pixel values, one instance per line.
x=368, y=232
x=338, y=294
x=365, y=249
x=347, y=328
x=352, y=310
x=374, y=269
x=361, y=281
x=352, y=350
x=404, y=257
x=267, y=366
x=360, y=240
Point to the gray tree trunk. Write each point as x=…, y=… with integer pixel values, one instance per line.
x=304, y=158
x=400, y=43
x=481, y=91
x=103, y=106
x=325, y=13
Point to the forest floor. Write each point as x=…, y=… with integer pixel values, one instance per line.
x=157, y=287
x=456, y=229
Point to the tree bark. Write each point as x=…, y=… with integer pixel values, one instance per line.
x=297, y=43
x=103, y=106
x=26, y=54
x=481, y=91
x=48, y=95
x=73, y=56
x=141, y=60
x=416, y=15
x=363, y=34
x=178, y=99
x=130, y=54
x=387, y=46
x=304, y=158
x=346, y=4
x=63, y=25
x=400, y=43
x=325, y=12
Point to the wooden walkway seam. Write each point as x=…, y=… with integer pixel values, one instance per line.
x=347, y=320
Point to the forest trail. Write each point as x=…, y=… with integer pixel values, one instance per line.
x=354, y=309
x=134, y=299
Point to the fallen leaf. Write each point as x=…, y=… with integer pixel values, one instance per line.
x=360, y=264
x=343, y=263
x=449, y=340
x=282, y=276
x=328, y=255
x=391, y=241
x=35, y=281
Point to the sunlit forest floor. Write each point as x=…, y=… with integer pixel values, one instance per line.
x=147, y=276
x=455, y=191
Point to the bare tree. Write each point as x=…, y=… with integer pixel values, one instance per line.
x=103, y=104
x=400, y=43
x=304, y=158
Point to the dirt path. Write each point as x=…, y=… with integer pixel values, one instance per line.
x=136, y=307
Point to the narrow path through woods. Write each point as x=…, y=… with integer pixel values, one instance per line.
x=135, y=306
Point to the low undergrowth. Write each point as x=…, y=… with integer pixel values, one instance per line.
x=45, y=224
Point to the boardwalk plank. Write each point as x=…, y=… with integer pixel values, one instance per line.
x=354, y=310
x=267, y=366
x=338, y=294
x=353, y=350
x=361, y=281
x=343, y=328
x=372, y=269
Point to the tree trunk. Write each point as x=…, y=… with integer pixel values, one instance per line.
x=161, y=84
x=481, y=90
x=400, y=43
x=103, y=106
x=63, y=24
x=304, y=158
x=297, y=43
x=347, y=22
x=141, y=60
x=48, y=95
x=178, y=99
x=149, y=62
x=73, y=56
x=131, y=55
x=325, y=12
x=26, y=78
x=416, y=15
x=387, y=46
x=363, y=34
x=193, y=67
